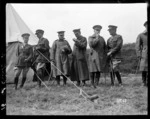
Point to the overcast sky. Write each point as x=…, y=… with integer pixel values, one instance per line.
x=55, y=17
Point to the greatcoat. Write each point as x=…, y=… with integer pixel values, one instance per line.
x=98, y=54
x=142, y=50
x=59, y=54
x=79, y=67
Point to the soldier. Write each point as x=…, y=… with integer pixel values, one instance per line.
x=79, y=66
x=24, y=54
x=43, y=48
x=59, y=55
x=142, y=53
x=97, y=56
x=114, y=45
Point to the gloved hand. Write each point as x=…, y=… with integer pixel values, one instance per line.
x=26, y=60
x=139, y=57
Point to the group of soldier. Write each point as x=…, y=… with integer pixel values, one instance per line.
x=102, y=57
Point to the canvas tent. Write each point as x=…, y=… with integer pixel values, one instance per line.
x=15, y=26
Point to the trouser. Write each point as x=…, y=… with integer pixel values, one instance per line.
x=117, y=74
x=18, y=71
x=144, y=77
x=95, y=76
x=64, y=79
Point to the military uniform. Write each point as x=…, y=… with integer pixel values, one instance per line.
x=43, y=48
x=114, y=45
x=59, y=54
x=79, y=67
x=142, y=53
x=97, y=56
x=24, y=54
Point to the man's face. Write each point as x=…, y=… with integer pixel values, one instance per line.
x=61, y=36
x=97, y=31
x=39, y=35
x=112, y=31
x=26, y=39
x=77, y=34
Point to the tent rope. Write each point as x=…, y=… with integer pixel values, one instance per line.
x=63, y=74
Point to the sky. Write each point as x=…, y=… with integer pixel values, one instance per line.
x=56, y=17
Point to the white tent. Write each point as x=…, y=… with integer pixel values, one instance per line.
x=15, y=26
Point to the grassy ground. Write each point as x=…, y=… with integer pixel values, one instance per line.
x=131, y=99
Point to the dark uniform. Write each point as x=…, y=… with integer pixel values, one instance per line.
x=142, y=53
x=43, y=48
x=24, y=54
x=79, y=67
x=114, y=45
x=97, y=56
x=59, y=54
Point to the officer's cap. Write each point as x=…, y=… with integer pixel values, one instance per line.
x=25, y=34
x=76, y=30
x=60, y=32
x=97, y=27
x=39, y=31
x=145, y=23
x=112, y=27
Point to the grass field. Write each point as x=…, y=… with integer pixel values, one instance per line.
x=131, y=99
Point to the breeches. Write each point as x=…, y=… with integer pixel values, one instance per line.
x=20, y=69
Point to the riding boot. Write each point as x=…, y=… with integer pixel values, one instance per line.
x=112, y=78
x=97, y=77
x=118, y=77
x=78, y=83
x=58, y=80
x=23, y=81
x=92, y=79
x=144, y=78
x=83, y=83
x=16, y=82
x=64, y=80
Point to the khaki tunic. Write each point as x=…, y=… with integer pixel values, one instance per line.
x=43, y=44
x=98, y=54
x=142, y=50
x=61, y=58
x=24, y=52
x=79, y=67
x=114, y=44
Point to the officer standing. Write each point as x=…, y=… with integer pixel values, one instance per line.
x=41, y=48
x=24, y=54
x=114, y=45
x=97, y=55
x=142, y=53
x=79, y=68
x=59, y=55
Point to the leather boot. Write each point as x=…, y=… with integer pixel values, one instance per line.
x=97, y=77
x=144, y=77
x=58, y=80
x=118, y=77
x=16, y=82
x=23, y=81
x=112, y=78
x=92, y=80
x=64, y=80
